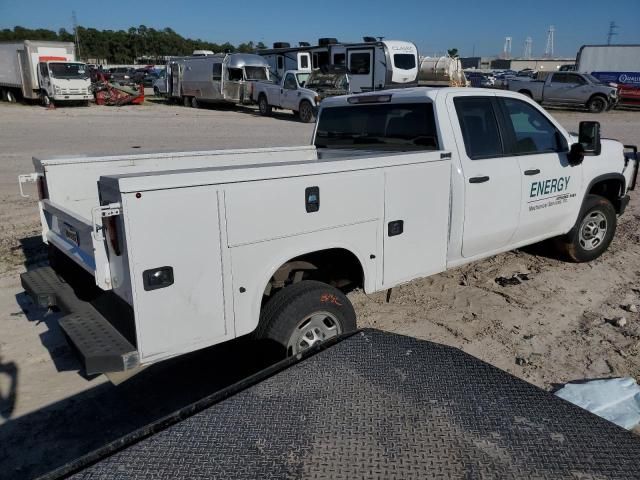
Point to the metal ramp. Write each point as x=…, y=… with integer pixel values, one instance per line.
x=100, y=345
x=375, y=406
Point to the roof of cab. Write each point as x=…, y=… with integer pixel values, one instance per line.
x=413, y=94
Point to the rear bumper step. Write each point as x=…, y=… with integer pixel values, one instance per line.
x=102, y=348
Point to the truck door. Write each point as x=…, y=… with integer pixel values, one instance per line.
x=563, y=88
x=360, y=66
x=289, y=94
x=176, y=80
x=550, y=186
x=44, y=80
x=492, y=185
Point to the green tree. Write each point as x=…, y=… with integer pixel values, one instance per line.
x=453, y=52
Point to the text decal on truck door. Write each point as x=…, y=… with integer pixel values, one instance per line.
x=549, y=187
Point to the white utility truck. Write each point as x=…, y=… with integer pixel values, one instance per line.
x=44, y=71
x=204, y=247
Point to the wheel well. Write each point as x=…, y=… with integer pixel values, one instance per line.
x=611, y=189
x=525, y=92
x=601, y=95
x=336, y=266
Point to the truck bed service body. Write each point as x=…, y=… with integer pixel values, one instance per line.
x=398, y=185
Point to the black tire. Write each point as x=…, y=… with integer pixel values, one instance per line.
x=597, y=104
x=581, y=244
x=194, y=103
x=287, y=317
x=156, y=92
x=10, y=97
x=45, y=101
x=186, y=101
x=263, y=106
x=305, y=112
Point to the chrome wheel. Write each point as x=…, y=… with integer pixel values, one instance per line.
x=315, y=328
x=593, y=230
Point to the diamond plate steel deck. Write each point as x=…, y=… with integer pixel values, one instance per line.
x=381, y=406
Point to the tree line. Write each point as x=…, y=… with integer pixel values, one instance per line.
x=125, y=46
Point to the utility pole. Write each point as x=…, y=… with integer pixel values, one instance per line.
x=612, y=32
x=74, y=19
x=550, y=39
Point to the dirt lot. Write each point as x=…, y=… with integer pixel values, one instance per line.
x=550, y=329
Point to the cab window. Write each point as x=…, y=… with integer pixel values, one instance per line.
x=290, y=82
x=217, y=71
x=575, y=79
x=532, y=132
x=479, y=125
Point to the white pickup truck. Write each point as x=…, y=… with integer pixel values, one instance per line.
x=289, y=94
x=199, y=248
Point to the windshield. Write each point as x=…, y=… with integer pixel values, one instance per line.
x=404, y=61
x=593, y=79
x=68, y=70
x=379, y=126
x=255, y=73
x=302, y=78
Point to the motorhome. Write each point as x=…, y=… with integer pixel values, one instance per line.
x=371, y=64
x=219, y=78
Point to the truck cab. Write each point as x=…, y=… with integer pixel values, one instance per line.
x=63, y=82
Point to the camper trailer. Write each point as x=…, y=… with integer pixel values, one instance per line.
x=371, y=65
x=221, y=78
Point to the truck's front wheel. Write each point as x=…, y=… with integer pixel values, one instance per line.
x=45, y=101
x=593, y=232
x=263, y=106
x=306, y=112
x=597, y=104
x=305, y=314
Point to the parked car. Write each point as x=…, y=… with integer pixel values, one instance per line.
x=568, y=88
x=122, y=74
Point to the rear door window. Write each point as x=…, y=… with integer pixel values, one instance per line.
x=400, y=126
x=479, y=125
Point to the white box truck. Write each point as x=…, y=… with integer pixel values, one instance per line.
x=44, y=71
x=204, y=247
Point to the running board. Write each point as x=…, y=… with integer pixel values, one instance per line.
x=102, y=348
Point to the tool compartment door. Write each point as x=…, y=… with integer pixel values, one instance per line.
x=180, y=229
x=416, y=223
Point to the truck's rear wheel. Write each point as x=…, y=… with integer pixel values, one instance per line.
x=306, y=112
x=597, y=104
x=305, y=314
x=186, y=101
x=9, y=96
x=194, y=103
x=263, y=106
x=593, y=232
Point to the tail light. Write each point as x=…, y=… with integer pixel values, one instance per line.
x=43, y=192
x=111, y=224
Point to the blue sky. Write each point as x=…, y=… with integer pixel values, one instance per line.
x=468, y=25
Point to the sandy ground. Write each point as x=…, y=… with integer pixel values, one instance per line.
x=548, y=330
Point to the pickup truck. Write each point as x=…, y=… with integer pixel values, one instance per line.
x=568, y=88
x=291, y=92
x=203, y=247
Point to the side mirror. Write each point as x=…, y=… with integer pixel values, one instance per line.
x=589, y=138
x=576, y=154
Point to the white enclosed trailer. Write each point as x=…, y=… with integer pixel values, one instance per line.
x=42, y=70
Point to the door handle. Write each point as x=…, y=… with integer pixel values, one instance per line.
x=532, y=172
x=478, y=179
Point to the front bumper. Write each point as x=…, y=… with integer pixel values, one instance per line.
x=72, y=98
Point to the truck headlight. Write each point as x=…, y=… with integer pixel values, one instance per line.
x=56, y=89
